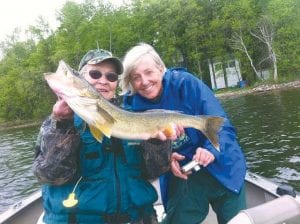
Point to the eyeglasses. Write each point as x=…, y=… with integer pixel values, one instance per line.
x=110, y=76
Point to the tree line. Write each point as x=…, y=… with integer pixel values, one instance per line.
x=190, y=33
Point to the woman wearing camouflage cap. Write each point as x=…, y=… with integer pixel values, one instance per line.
x=85, y=181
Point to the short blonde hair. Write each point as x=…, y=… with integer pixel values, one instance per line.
x=131, y=60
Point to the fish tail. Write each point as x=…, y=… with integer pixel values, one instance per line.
x=211, y=128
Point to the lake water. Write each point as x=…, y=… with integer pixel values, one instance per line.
x=16, y=177
x=268, y=126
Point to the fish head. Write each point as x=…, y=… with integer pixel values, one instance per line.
x=67, y=83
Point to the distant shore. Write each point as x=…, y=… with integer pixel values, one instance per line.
x=233, y=93
x=260, y=88
x=19, y=124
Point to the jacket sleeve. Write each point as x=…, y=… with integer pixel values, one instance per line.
x=230, y=164
x=56, y=152
x=210, y=105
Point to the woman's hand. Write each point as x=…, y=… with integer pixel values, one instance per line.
x=177, y=131
x=61, y=110
x=203, y=156
x=175, y=167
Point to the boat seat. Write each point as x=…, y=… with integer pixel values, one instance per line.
x=285, y=209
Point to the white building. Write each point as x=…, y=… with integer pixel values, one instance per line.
x=217, y=76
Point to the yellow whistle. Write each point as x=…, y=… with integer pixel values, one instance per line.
x=71, y=201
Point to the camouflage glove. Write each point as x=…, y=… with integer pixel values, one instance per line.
x=157, y=157
x=57, y=149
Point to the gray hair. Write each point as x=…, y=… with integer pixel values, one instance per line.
x=131, y=60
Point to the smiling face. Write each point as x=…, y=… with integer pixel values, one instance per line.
x=146, y=78
x=105, y=87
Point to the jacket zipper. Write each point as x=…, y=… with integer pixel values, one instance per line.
x=118, y=187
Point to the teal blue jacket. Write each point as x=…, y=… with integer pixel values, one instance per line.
x=111, y=183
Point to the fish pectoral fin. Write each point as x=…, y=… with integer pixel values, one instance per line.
x=103, y=122
x=98, y=135
x=99, y=130
x=105, y=128
x=105, y=115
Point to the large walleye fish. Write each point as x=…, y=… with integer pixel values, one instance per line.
x=104, y=118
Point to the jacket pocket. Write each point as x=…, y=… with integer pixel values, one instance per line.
x=141, y=192
x=91, y=156
x=93, y=196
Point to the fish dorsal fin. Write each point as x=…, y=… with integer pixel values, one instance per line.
x=98, y=135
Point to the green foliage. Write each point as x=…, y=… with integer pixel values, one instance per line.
x=286, y=19
x=185, y=33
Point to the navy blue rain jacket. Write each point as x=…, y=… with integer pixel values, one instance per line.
x=185, y=93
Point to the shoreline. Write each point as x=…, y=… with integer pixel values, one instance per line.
x=23, y=124
x=260, y=88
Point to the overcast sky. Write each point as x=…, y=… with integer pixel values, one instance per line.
x=22, y=13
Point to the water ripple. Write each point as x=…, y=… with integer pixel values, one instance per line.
x=288, y=173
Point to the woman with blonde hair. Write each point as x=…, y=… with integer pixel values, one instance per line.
x=147, y=84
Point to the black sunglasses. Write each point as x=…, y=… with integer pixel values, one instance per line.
x=110, y=76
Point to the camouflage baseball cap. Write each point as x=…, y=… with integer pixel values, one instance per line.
x=96, y=56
